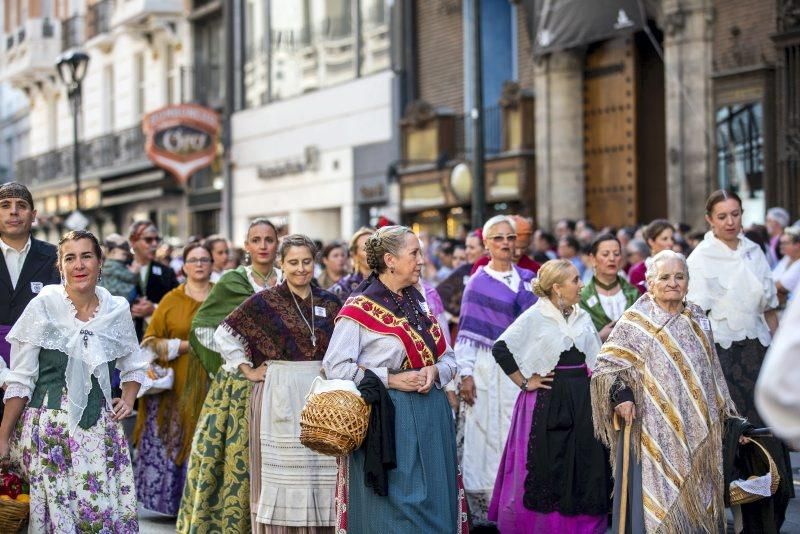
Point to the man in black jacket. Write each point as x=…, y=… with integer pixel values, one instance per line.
x=155, y=279
x=26, y=264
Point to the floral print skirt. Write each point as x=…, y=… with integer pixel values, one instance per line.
x=80, y=481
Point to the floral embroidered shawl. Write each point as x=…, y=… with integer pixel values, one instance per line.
x=372, y=306
x=682, y=401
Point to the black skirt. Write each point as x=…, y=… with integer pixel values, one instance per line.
x=568, y=469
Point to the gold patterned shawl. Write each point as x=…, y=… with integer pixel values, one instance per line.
x=670, y=364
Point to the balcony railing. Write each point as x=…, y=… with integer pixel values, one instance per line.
x=99, y=18
x=120, y=148
x=72, y=32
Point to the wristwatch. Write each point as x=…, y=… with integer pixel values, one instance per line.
x=524, y=385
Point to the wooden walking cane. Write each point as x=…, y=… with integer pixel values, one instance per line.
x=626, y=457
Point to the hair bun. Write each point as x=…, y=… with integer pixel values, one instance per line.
x=538, y=290
x=372, y=249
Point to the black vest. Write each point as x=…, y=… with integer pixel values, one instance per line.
x=38, y=270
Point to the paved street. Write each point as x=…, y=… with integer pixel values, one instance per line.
x=151, y=523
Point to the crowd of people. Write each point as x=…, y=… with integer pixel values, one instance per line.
x=519, y=380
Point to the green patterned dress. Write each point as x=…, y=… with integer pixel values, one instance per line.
x=216, y=497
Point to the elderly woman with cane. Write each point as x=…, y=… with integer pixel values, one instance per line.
x=659, y=376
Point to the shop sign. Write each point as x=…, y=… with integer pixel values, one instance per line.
x=309, y=161
x=182, y=139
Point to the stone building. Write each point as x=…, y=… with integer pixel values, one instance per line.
x=136, y=51
x=638, y=109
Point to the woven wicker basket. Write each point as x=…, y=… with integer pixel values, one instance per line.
x=334, y=423
x=13, y=515
x=739, y=496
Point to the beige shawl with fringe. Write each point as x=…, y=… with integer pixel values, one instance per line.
x=682, y=401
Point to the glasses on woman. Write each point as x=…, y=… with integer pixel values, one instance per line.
x=151, y=239
x=499, y=238
x=201, y=261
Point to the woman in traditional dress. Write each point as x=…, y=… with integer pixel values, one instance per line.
x=334, y=264
x=69, y=443
x=495, y=296
x=659, y=235
x=216, y=496
x=554, y=474
x=732, y=282
x=276, y=340
x=607, y=295
x=787, y=272
x=166, y=421
x=659, y=376
x=358, y=255
x=384, y=331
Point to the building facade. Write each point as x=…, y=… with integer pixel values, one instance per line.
x=643, y=107
x=313, y=135
x=136, y=50
x=14, y=130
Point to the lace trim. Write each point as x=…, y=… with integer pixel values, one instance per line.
x=135, y=376
x=74, y=311
x=17, y=391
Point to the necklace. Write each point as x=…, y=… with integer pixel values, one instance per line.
x=607, y=287
x=414, y=319
x=267, y=278
x=303, y=317
x=192, y=295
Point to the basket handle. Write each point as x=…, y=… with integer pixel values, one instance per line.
x=773, y=468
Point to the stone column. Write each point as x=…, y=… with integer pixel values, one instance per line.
x=689, y=107
x=558, y=79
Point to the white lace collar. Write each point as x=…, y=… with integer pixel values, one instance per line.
x=50, y=322
x=539, y=336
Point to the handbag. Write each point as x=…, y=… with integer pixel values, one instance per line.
x=335, y=418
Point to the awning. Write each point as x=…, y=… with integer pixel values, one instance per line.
x=562, y=24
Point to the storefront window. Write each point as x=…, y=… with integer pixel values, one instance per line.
x=740, y=155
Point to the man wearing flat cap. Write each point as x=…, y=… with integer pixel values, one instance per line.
x=26, y=264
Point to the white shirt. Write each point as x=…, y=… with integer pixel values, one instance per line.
x=777, y=391
x=735, y=287
x=14, y=259
x=614, y=305
x=509, y=278
x=788, y=274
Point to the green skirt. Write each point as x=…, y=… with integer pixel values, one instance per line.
x=216, y=497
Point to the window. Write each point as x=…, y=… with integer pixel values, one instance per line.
x=109, y=108
x=52, y=138
x=171, y=76
x=140, y=88
x=740, y=154
x=292, y=48
x=375, y=36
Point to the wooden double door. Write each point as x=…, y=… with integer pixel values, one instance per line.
x=624, y=133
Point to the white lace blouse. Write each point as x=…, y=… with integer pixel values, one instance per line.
x=21, y=378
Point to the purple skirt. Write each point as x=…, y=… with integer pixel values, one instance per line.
x=507, y=508
x=159, y=481
x=5, y=346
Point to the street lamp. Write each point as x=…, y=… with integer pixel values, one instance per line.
x=71, y=69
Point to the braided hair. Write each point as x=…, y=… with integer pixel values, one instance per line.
x=389, y=239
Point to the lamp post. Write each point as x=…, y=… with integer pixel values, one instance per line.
x=71, y=69
x=478, y=157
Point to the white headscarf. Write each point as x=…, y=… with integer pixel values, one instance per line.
x=49, y=322
x=539, y=336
